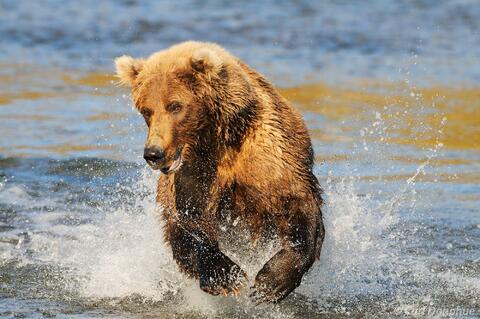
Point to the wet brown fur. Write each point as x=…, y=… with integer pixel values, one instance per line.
x=246, y=150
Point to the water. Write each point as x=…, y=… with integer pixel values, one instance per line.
x=389, y=91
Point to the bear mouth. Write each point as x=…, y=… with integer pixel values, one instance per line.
x=177, y=162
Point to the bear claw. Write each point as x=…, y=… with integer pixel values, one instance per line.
x=268, y=294
x=221, y=276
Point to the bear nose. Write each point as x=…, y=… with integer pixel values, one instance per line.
x=153, y=154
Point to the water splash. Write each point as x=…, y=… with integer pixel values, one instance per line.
x=113, y=256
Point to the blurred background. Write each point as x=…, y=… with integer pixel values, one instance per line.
x=390, y=91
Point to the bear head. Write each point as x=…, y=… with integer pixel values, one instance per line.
x=193, y=96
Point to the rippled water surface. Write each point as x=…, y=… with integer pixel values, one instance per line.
x=390, y=91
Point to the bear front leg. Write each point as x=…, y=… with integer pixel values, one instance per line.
x=200, y=257
x=301, y=237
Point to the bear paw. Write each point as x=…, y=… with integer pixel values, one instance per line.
x=276, y=280
x=219, y=275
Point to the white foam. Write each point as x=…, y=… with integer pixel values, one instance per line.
x=117, y=254
x=13, y=195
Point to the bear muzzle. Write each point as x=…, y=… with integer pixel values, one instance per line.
x=157, y=159
x=153, y=155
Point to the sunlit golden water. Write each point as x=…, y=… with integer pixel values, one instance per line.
x=413, y=107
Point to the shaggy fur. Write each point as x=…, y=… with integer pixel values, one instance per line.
x=244, y=150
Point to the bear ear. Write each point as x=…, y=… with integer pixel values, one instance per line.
x=205, y=60
x=128, y=69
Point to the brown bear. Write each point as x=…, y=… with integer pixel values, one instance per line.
x=227, y=143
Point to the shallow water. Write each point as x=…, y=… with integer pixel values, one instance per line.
x=389, y=91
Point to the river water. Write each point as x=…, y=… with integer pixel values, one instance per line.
x=390, y=91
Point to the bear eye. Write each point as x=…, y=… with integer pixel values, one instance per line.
x=147, y=114
x=174, y=107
